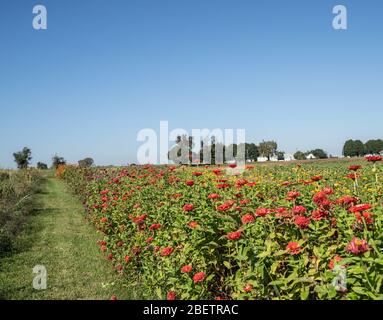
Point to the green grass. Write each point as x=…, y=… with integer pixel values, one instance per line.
x=57, y=236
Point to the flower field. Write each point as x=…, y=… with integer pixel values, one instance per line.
x=295, y=231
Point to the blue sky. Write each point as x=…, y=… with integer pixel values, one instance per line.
x=106, y=69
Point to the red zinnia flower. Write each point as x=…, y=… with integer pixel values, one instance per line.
x=225, y=206
x=360, y=207
x=113, y=297
x=171, y=295
x=366, y=216
x=199, y=277
x=302, y=222
x=232, y=165
x=222, y=186
x=352, y=176
x=319, y=214
x=139, y=219
x=188, y=207
x=373, y=158
x=197, y=174
x=127, y=259
x=166, y=251
x=234, y=235
x=213, y=196
x=193, y=224
x=329, y=191
x=291, y=195
x=346, y=201
x=247, y=218
x=186, y=269
x=354, y=167
x=293, y=248
x=248, y=288
x=316, y=178
x=261, y=212
x=149, y=240
x=241, y=182
x=190, y=183
x=334, y=261
x=299, y=210
x=357, y=246
x=155, y=226
x=319, y=197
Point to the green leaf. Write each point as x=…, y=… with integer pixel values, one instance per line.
x=264, y=254
x=305, y=293
x=359, y=290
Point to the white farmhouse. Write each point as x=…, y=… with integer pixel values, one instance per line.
x=310, y=156
x=289, y=157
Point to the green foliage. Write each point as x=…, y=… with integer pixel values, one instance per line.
x=16, y=189
x=374, y=146
x=318, y=153
x=299, y=155
x=57, y=161
x=280, y=155
x=42, y=166
x=268, y=149
x=23, y=158
x=86, y=163
x=354, y=148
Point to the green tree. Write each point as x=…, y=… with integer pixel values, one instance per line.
x=353, y=148
x=268, y=149
x=374, y=146
x=280, y=155
x=318, y=153
x=299, y=155
x=86, y=163
x=57, y=161
x=42, y=166
x=23, y=158
x=251, y=151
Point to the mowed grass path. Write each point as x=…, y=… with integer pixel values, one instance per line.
x=58, y=237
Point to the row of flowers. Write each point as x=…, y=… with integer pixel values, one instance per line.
x=274, y=232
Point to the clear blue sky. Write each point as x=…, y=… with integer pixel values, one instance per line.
x=106, y=69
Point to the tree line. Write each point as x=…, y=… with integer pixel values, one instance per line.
x=356, y=148
x=183, y=151
x=23, y=160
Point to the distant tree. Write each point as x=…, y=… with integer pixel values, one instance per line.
x=231, y=152
x=268, y=149
x=23, y=158
x=280, y=155
x=318, y=153
x=86, y=163
x=299, y=155
x=42, y=166
x=374, y=146
x=251, y=151
x=182, y=152
x=353, y=148
x=57, y=161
